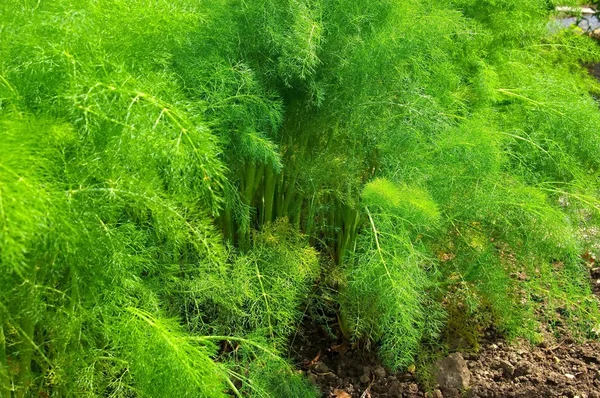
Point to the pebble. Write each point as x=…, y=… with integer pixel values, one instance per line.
x=507, y=368
x=379, y=371
x=413, y=388
x=395, y=389
x=523, y=368
x=320, y=367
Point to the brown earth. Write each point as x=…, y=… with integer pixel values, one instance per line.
x=497, y=369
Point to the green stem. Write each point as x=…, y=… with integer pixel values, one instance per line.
x=25, y=356
x=256, y=197
x=258, y=177
x=228, y=224
x=339, y=233
x=248, y=193
x=248, y=182
x=310, y=218
x=27, y=328
x=296, y=213
x=269, y=192
x=280, y=196
x=289, y=195
x=4, y=378
x=330, y=224
x=233, y=388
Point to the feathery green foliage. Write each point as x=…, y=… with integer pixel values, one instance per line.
x=176, y=176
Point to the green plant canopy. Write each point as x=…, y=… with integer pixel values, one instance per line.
x=182, y=182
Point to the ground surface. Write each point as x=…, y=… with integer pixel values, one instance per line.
x=498, y=369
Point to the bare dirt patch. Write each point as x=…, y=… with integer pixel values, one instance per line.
x=498, y=369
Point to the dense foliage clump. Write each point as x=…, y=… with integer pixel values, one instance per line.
x=182, y=182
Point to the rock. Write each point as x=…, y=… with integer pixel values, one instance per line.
x=452, y=393
x=523, y=368
x=378, y=389
x=554, y=378
x=569, y=376
x=507, y=368
x=538, y=379
x=341, y=394
x=379, y=371
x=395, y=389
x=437, y=394
x=453, y=373
x=365, y=378
x=413, y=388
x=312, y=378
x=320, y=367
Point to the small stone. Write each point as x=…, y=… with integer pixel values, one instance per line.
x=378, y=389
x=523, y=368
x=569, y=376
x=452, y=393
x=312, y=378
x=379, y=371
x=365, y=378
x=413, y=388
x=337, y=393
x=452, y=372
x=395, y=389
x=538, y=379
x=437, y=394
x=507, y=368
x=320, y=367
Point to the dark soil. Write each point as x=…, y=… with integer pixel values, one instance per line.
x=498, y=369
x=594, y=70
x=338, y=368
